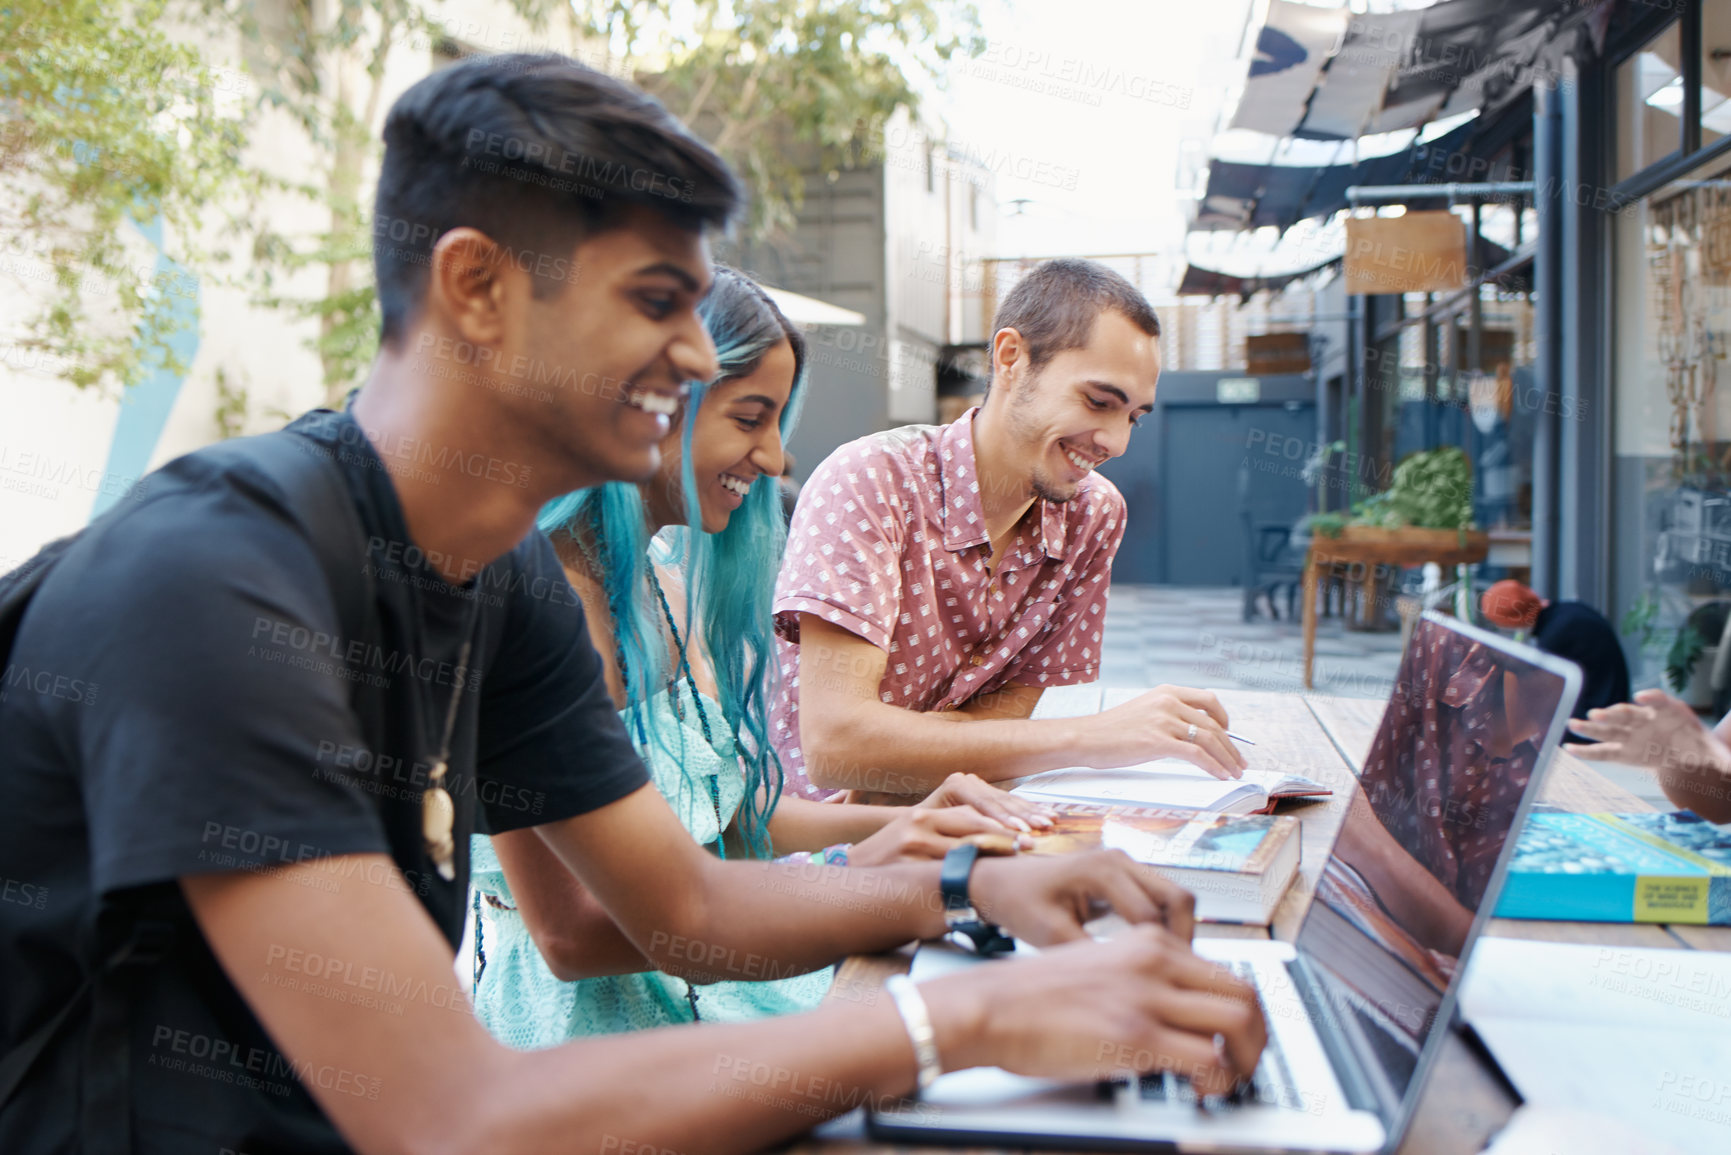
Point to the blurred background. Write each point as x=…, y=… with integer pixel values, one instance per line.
x=1493, y=233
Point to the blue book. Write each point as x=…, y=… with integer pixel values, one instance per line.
x=1660, y=866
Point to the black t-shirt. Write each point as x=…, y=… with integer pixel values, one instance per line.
x=177, y=702
x=1580, y=633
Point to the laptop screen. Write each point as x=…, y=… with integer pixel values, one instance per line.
x=1441, y=790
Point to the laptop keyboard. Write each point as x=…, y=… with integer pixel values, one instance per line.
x=1271, y=1083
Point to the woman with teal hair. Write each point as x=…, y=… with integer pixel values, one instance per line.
x=699, y=543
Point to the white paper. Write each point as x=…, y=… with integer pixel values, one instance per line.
x=1160, y=782
x=1550, y=1131
x=1641, y=1035
x=1068, y=702
x=1167, y=782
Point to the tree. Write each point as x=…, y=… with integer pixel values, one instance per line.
x=771, y=83
x=323, y=66
x=777, y=86
x=106, y=123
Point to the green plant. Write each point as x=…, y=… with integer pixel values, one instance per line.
x=1431, y=489
x=1686, y=650
x=1704, y=626
x=116, y=152
x=1327, y=524
x=1642, y=618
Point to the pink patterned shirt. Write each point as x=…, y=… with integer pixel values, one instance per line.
x=889, y=542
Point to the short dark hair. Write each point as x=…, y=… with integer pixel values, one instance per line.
x=1054, y=306
x=538, y=152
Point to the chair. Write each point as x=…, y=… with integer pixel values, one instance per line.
x=1270, y=563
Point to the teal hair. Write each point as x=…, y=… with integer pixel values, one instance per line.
x=729, y=576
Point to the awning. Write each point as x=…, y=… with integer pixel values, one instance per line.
x=1205, y=282
x=1201, y=282
x=1291, y=51
x=1332, y=74
x=1251, y=196
x=1329, y=78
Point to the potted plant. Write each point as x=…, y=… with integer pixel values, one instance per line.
x=1431, y=489
x=1690, y=650
x=1425, y=515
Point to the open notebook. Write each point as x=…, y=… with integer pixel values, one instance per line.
x=1161, y=782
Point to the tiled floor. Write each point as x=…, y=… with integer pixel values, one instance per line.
x=1197, y=637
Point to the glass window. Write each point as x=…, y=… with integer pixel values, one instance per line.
x=1671, y=397
x=1650, y=103
x=1715, y=72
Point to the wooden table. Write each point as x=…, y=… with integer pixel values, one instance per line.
x=1371, y=547
x=1466, y=1100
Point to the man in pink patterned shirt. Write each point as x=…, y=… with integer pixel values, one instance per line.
x=938, y=578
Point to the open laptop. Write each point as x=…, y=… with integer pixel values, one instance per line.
x=1359, y=1005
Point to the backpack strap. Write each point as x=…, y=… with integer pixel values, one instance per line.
x=315, y=495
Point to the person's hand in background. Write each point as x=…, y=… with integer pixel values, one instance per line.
x=1661, y=733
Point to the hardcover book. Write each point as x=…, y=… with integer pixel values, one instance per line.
x=1237, y=866
x=1658, y=866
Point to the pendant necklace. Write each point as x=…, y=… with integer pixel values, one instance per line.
x=438, y=812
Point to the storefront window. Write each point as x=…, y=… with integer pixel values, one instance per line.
x=1672, y=398
x=1715, y=72
x=1650, y=103
x=1488, y=409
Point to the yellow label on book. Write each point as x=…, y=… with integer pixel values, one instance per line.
x=1661, y=899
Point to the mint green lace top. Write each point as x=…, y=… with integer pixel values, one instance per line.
x=518, y=997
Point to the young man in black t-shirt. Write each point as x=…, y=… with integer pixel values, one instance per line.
x=214, y=756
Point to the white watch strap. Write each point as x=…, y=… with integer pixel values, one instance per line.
x=912, y=1007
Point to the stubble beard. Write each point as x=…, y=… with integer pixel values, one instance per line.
x=1046, y=491
x=1025, y=431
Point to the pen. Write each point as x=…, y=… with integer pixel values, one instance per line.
x=1239, y=738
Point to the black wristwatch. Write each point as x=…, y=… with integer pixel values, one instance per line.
x=959, y=913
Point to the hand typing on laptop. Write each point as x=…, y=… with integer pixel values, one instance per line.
x=1141, y=1002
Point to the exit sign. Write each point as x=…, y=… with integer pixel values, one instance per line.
x=1238, y=390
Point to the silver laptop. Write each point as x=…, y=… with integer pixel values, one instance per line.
x=1359, y=1006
